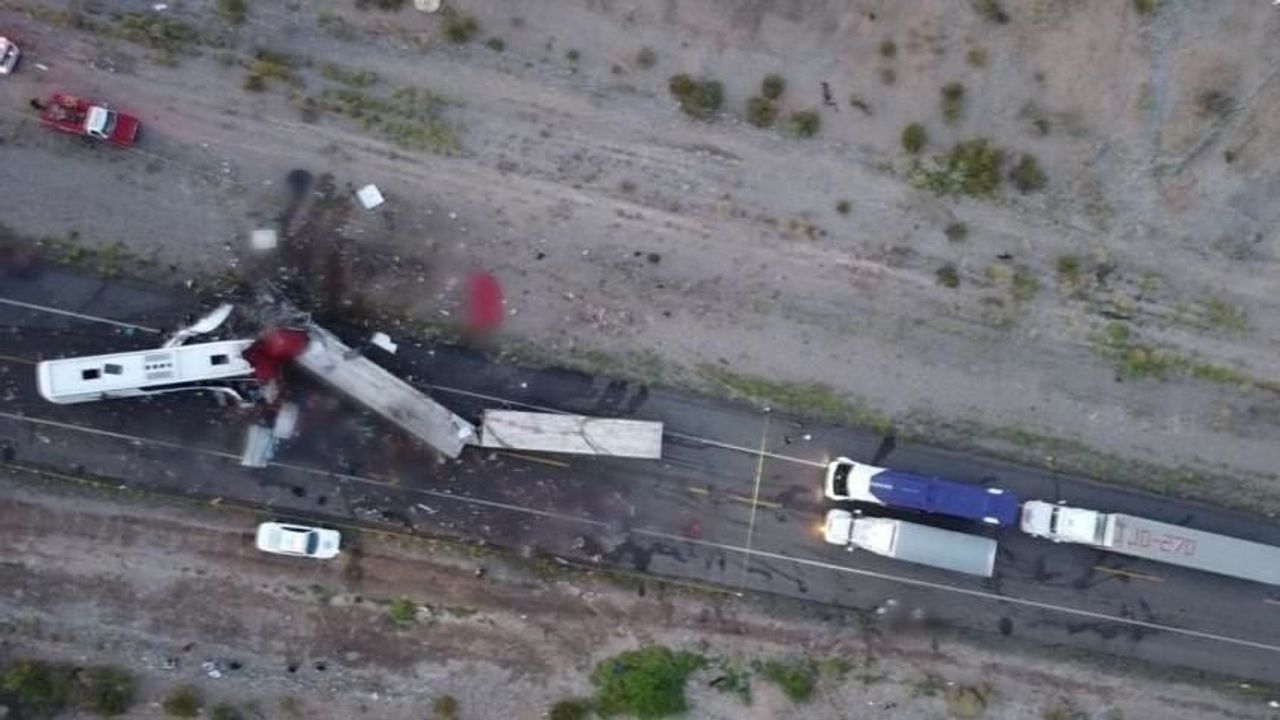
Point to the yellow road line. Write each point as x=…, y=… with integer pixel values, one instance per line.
x=756, y=501
x=10, y=358
x=755, y=498
x=1129, y=573
x=535, y=458
x=699, y=490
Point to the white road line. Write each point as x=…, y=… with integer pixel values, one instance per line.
x=289, y=466
x=78, y=316
x=981, y=594
x=755, y=499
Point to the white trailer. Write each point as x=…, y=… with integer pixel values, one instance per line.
x=920, y=544
x=1152, y=540
x=366, y=382
x=577, y=434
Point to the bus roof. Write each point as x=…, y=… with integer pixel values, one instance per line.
x=83, y=378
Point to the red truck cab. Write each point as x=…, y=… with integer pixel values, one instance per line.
x=79, y=116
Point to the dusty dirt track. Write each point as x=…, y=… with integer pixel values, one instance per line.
x=620, y=226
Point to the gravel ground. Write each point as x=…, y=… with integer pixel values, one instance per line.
x=159, y=588
x=620, y=227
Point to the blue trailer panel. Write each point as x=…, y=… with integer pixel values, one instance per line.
x=850, y=480
x=944, y=497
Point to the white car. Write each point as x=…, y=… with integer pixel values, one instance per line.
x=9, y=55
x=298, y=540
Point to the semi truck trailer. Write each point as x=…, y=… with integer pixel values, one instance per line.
x=850, y=480
x=909, y=542
x=1152, y=540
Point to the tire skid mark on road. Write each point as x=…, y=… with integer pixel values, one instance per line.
x=665, y=536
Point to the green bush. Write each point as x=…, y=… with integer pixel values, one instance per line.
x=458, y=28
x=948, y=276
x=698, y=98
x=761, y=112
x=952, y=102
x=647, y=683
x=1068, y=270
x=914, y=138
x=843, y=207
x=1146, y=7
x=991, y=10
x=108, y=691
x=182, y=701
x=234, y=11
x=1027, y=175
x=888, y=48
x=41, y=689
x=806, y=123
x=773, y=86
x=888, y=75
x=445, y=707
x=402, y=611
x=956, y=231
x=970, y=168
x=225, y=711
x=496, y=44
x=797, y=679
x=573, y=56
x=977, y=57
x=646, y=58
x=571, y=709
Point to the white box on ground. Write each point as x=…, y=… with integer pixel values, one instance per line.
x=263, y=239
x=578, y=434
x=370, y=196
x=383, y=340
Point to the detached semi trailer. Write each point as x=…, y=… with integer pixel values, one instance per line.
x=1152, y=540
x=920, y=544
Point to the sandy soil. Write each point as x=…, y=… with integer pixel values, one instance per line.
x=161, y=588
x=618, y=225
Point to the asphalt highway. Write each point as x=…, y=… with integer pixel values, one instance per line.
x=734, y=503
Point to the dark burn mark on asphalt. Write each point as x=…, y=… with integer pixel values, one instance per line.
x=1042, y=574
x=1006, y=626
x=768, y=572
x=642, y=556
x=887, y=444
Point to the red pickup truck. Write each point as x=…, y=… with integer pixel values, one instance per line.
x=78, y=116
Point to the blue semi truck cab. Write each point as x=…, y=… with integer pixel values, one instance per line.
x=850, y=480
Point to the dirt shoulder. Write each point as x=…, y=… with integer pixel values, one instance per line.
x=161, y=588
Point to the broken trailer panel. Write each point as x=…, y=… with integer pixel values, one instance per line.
x=331, y=361
x=578, y=434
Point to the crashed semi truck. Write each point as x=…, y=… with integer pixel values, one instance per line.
x=909, y=542
x=1153, y=540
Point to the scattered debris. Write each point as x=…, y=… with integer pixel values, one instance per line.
x=286, y=424
x=383, y=340
x=370, y=196
x=263, y=239
x=259, y=448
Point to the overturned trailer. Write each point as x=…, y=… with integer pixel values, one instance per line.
x=321, y=354
x=577, y=434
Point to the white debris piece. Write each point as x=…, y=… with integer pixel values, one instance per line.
x=427, y=6
x=286, y=424
x=263, y=239
x=259, y=447
x=370, y=196
x=383, y=340
x=578, y=434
